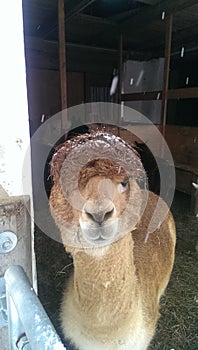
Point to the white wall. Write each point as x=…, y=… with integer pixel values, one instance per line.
x=144, y=76
x=14, y=120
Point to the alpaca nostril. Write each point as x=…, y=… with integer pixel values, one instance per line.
x=99, y=216
x=108, y=214
x=90, y=215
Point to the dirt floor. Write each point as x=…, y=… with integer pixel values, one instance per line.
x=178, y=325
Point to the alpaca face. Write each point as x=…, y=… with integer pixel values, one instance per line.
x=105, y=202
x=111, y=209
x=95, y=200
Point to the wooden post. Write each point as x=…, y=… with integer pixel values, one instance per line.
x=62, y=61
x=120, y=67
x=169, y=24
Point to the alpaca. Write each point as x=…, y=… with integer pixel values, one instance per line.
x=111, y=301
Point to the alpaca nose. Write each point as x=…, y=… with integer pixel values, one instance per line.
x=99, y=212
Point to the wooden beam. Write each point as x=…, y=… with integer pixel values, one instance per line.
x=173, y=94
x=184, y=93
x=154, y=12
x=120, y=80
x=50, y=24
x=169, y=26
x=142, y=96
x=187, y=33
x=78, y=8
x=62, y=59
x=95, y=20
x=120, y=64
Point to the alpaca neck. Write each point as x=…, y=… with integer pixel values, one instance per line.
x=105, y=287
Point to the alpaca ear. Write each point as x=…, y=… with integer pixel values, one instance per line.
x=195, y=185
x=57, y=162
x=53, y=169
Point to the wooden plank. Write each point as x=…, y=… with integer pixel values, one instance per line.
x=184, y=93
x=141, y=96
x=14, y=216
x=169, y=26
x=173, y=94
x=43, y=95
x=62, y=59
x=183, y=143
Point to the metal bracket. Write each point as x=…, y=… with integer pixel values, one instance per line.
x=23, y=343
x=3, y=304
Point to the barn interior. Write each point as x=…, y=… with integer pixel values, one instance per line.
x=74, y=49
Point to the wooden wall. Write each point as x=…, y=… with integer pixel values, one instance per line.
x=85, y=68
x=43, y=54
x=44, y=93
x=183, y=143
x=75, y=88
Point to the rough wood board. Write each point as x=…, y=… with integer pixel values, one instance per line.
x=43, y=95
x=172, y=94
x=183, y=143
x=14, y=216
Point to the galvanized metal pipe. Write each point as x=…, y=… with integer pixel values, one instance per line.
x=31, y=317
x=15, y=327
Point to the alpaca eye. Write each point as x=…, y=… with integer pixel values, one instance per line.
x=123, y=185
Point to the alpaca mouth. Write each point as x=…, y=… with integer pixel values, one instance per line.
x=99, y=241
x=99, y=234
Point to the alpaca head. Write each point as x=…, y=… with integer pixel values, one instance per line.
x=95, y=202
x=107, y=194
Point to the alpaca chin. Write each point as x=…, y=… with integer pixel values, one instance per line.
x=99, y=235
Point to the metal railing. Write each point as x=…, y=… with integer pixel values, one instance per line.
x=29, y=326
